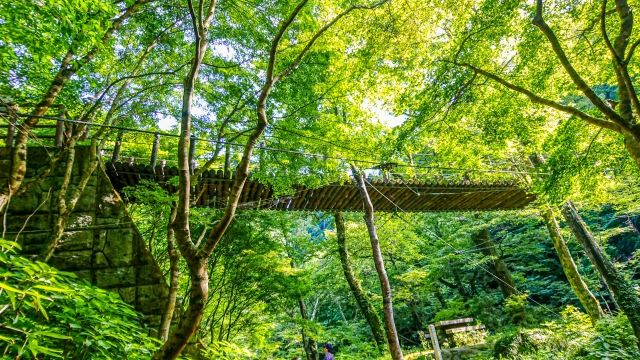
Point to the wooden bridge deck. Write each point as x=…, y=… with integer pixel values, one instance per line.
x=385, y=195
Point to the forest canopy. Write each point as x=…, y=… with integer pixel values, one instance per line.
x=450, y=102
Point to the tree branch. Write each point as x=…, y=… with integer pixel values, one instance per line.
x=302, y=53
x=540, y=100
x=276, y=40
x=539, y=22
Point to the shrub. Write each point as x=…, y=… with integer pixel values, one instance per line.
x=572, y=337
x=48, y=313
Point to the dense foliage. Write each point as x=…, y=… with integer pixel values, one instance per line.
x=47, y=312
x=463, y=90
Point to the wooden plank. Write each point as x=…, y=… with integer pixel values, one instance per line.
x=207, y=196
x=257, y=197
x=300, y=194
x=252, y=199
x=331, y=197
x=344, y=196
x=419, y=202
x=509, y=198
x=307, y=199
x=381, y=197
x=317, y=198
x=460, y=198
x=324, y=192
x=246, y=189
x=220, y=200
x=391, y=201
x=404, y=198
x=174, y=173
x=435, y=343
x=482, y=202
x=129, y=173
x=453, y=322
x=266, y=197
x=464, y=329
x=471, y=201
x=355, y=201
x=328, y=198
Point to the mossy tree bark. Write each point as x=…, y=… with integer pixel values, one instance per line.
x=387, y=302
x=482, y=240
x=67, y=199
x=174, y=273
x=588, y=301
x=626, y=295
x=310, y=345
x=197, y=255
x=363, y=303
x=68, y=68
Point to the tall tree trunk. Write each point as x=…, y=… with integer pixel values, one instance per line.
x=195, y=256
x=483, y=241
x=387, y=303
x=309, y=344
x=66, y=203
x=365, y=306
x=581, y=290
x=626, y=295
x=174, y=257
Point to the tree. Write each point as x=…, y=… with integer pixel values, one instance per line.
x=571, y=271
x=197, y=257
x=614, y=116
x=626, y=295
x=354, y=284
x=70, y=64
x=482, y=240
x=387, y=301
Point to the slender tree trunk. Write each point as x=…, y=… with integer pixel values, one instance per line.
x=197, y=256
x=588, y=301
x=387, y=303
x=174, y=257
x=309, y=344
x=626, y=295
x=67, y=203
x=483, y=241
x=363, y=303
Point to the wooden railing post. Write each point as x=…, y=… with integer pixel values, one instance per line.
x=227, y=157
x=59, y=133
x=434, y=342
x=131, y=160
x=154, y=152
x=116, y=149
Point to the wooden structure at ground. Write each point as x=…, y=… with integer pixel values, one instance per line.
x=213, y=188
x=444, y=331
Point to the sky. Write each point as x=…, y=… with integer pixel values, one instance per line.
x=167, y=122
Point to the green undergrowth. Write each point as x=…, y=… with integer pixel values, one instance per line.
x=570, y=337
x=46, y=313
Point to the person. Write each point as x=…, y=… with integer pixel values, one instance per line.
x=328, y=349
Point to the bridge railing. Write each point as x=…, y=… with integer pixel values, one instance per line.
x=60, y=136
